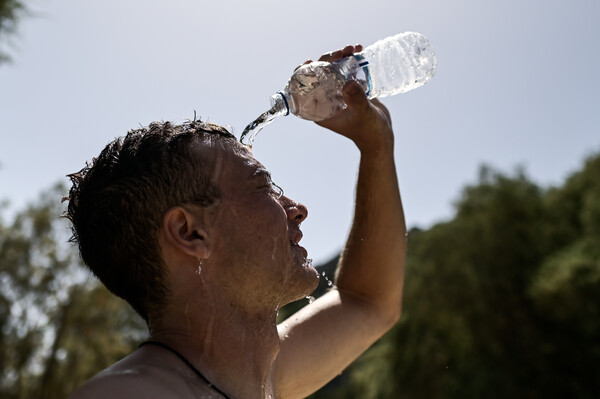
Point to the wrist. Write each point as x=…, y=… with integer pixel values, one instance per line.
x=373, y=148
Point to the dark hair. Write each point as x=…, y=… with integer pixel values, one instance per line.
x=116, y=205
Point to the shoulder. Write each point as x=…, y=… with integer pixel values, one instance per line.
x=139, y=375
x=137, y=382
x=143, y=374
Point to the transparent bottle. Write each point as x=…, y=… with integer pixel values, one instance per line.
x=390, y=66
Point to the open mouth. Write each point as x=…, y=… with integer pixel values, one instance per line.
x=300, y=248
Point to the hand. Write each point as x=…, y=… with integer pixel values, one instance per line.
x=365, y=122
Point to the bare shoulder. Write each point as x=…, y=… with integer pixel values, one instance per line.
x=141, y=376
x=124, y=384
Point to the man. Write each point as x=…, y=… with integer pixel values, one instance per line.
x=188, y=227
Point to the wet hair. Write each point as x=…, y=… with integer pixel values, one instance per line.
x=117, y=202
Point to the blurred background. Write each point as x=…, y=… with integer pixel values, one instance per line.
x=498, y=162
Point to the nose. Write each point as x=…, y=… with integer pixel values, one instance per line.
x=296, y=212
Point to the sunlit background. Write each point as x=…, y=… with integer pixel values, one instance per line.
x=501, y=299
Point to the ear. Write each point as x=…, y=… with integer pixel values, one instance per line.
x=185, y=233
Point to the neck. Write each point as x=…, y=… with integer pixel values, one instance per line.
x=233, y=348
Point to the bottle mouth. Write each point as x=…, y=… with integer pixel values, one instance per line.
x=285, y=101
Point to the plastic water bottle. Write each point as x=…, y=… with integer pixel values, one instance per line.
x=390, y=66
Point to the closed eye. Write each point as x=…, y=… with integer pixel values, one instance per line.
x=265, y=177
x=276, y=190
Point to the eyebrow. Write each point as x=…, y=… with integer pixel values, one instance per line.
x=261, y=172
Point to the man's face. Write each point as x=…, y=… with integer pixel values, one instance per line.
x=258, y=230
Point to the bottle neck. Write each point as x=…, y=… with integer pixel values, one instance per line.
x=356, y=67
x=363, y=64
x=280, y=104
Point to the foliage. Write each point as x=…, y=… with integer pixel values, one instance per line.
x=502, y=300
x=10, y=13
x=58, y=327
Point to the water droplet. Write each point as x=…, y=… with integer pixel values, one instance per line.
x=310, y=298
x=329, y=282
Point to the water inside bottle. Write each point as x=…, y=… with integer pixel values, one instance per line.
x=315, y=90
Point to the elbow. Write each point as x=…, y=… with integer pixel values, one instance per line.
x=385, y=314
x=389, y=307
x=391, y=314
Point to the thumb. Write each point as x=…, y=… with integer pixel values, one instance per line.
x=354, y=95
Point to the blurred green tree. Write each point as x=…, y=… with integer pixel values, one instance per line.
x=10, y=13
x=502, y=300
x=566, y=290
x=58, y=326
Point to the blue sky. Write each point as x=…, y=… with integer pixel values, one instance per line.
x=516, y=85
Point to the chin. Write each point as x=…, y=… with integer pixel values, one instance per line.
x=304, y=284
x=315, y=279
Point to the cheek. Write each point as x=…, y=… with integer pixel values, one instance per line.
x=267, y=215
x=259, y=223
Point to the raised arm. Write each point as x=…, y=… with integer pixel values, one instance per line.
x=323, y=338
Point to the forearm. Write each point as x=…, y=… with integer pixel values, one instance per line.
x=372, y=265
x=346, y=321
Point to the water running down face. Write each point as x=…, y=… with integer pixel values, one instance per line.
x=257, y=231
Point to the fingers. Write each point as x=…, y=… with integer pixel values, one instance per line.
x=339, y=54
x=354, y=96
x=359, y=104
x=304, y=63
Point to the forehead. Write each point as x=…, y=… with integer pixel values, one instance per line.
x=233, y=163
